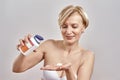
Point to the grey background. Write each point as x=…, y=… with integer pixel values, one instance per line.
x=20, y=17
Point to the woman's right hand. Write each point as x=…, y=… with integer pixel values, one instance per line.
x=24, y=41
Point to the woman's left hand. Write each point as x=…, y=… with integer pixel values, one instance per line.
x=57, y=67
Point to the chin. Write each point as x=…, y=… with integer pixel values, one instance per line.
x=70, y=41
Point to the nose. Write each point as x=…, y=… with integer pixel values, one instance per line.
x=68, y=30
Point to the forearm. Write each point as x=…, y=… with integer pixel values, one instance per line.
x=70, y=74
x=23, y=63
x=18, y=64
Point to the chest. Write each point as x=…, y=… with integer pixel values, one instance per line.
x=52, y=57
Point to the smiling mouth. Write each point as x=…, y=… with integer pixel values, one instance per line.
x=69, y=37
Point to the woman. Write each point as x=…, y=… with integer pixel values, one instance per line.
x=63, y=59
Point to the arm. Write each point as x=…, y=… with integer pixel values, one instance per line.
x=22, y=63
x=70, y=74
x=86, y=69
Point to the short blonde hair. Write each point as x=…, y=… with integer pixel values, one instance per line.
x=67, y=11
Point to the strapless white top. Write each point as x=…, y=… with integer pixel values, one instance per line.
x=53, y=75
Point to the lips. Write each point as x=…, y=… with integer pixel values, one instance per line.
x=69, y=37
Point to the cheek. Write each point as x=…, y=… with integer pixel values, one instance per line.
x=62, y=32
x=78, y=33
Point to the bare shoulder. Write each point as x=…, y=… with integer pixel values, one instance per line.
x=46, y=45
x=48, y=42
x=88, y=55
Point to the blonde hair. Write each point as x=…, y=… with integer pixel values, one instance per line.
x=67, y=11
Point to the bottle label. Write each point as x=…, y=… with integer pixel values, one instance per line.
x=31, y=45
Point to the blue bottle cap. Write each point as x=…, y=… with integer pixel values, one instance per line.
x=38, y=38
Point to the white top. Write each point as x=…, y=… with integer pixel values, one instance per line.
x=53, y=75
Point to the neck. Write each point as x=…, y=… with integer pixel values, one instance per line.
x=70, y=47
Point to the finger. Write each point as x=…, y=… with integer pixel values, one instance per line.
x=26, y=38
x=29, y=36
x=49, y=67
x=22, y=42
x=18, y=46
x=45, y=67
x=66, y=66
x=59, y=68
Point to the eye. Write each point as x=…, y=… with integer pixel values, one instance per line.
x=64, y=26
x=74, y=26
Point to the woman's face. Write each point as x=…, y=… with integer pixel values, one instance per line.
x=72, y=28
